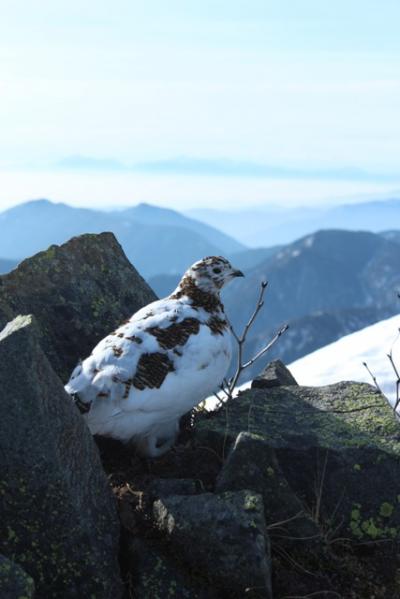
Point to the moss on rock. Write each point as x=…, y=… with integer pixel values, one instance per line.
x=78, y=292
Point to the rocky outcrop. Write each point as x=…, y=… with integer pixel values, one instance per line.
x=58, y=517
x=331, y=443
x=14, y=581
x=275, y=374
x=326, y=462
x=223, y=535
x=286, y=491
x=252, y=464
x=78, y=292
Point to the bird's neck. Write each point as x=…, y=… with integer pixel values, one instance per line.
x=199, y=298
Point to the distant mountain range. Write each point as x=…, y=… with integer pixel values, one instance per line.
x=156, y=240
x=274, y=226
x=163, y=284
x=324, y=285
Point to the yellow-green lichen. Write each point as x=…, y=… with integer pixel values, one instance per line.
x=386, y=509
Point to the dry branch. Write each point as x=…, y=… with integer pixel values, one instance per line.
x=228, y=386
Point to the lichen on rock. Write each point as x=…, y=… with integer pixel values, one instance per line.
x=58, y=517
x=78, y=292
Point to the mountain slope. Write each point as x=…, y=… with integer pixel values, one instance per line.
x=324, y=285
x=153, y=247
x=343, y=360
x=329, y=270
x=154, y=215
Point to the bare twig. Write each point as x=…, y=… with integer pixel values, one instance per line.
x=221, y=403
x=267, y=347
x=396, y=371
x=228, y=387
x=397, y=398
x=282, y=522
x=373, y=377
x=318, y=490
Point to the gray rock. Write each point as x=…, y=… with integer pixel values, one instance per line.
x=252, y=464
x=58, y=517
x=160, y=487
x=274, y=375
x=221, y=537
x=14, y=581
x=155, y=574
x=338, y=447
x=78, y=292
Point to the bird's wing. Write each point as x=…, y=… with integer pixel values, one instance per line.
x=138, y=355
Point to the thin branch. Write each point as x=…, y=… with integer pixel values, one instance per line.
x=282, y=522
x=220, y=401
x=267, y=347
x=259, y=305
x=397, y=399
x=319, y=487
x=373, y=377
x=228, y=386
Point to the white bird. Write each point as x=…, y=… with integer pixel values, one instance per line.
x=159, y=364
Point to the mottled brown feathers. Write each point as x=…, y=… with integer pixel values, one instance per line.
x=152, y=370
x=176, y=333
x=199, y=298
x=134, y=338
x=217, y=325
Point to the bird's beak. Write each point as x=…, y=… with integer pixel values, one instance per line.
x=237, y=273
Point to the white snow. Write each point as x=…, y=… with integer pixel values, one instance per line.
x=343, y=359
x=212, y=403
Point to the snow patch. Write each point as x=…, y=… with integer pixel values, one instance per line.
x=343, y=359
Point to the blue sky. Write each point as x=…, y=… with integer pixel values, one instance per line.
x=118, y=102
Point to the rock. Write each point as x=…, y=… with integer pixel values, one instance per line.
x=155, y=574
x=14, y=581
x=160, y=487
x=220, y=537
x=79, y=292
x=274, y=375
x=338, y=447
x=252, y=464
x=58, y=517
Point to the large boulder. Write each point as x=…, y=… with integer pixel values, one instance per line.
x=338, y=447
x=78, y=292
x=58, y=518
x=252, y=464
x=155, y=574
x=14, y=581
x=221, y=537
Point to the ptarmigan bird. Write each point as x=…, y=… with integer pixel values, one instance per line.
x=159, y=364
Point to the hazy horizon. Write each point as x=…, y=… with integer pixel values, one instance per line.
x=291, y=197
x=191, y=105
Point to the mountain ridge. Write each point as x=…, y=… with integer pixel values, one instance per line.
x=154, y=248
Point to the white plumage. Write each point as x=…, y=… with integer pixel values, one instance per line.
x=158, y=365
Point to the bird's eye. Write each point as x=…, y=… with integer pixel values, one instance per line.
x=217, y=270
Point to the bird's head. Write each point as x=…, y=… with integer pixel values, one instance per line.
x=212, y=273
